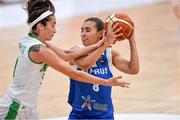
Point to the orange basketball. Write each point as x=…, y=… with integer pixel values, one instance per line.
x=123, y=21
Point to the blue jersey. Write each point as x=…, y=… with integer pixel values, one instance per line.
x=93, y=99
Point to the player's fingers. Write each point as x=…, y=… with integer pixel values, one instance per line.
x=114, y=41
x=110, y=45
x=104, y=32
x=119, y=35
x=117, y=30
x=114, y=27
x=118, y=77
x=124, y=84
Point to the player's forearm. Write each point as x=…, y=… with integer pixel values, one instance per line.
x=91, y=59
x=60, y=53
x=82, y=51
x=87, y=78
x=134, y=60
x=49, y=57
x=58, y=64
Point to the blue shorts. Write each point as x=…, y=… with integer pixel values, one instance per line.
x=76, y=115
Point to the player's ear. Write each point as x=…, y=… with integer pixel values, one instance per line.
x=40, y=26
x=100, y=34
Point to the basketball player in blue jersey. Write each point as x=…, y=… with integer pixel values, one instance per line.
x=93, y=101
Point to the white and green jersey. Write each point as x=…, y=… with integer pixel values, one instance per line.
x=27, y=74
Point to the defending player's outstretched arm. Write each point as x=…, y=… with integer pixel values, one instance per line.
x=71, y=54
x=47, y=56
x=68, y=55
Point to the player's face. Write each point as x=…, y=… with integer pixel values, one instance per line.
x=50, y=28
x=89, y=33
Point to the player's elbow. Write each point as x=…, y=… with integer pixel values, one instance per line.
x=134, y=71
x=84, y=66
x=66, y=59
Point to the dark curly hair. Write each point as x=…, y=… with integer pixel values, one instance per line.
x=37, y=7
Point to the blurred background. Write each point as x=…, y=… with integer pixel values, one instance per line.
x=155, y=91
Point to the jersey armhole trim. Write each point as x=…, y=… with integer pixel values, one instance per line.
x=109, y=58
x=15, y=67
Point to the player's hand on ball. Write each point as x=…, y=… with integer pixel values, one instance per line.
x=117, y=31
x=112, y=34
x=124, y=21
x=114, y=81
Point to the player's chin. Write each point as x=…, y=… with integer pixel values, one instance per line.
x=50, y=38
x=85, y=43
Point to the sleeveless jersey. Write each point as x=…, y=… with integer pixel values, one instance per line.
x=27, y=75
x=93, y=99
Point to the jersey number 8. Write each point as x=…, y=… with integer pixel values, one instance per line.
x=95, y=87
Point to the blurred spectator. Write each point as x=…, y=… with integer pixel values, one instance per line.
x=176, y=10
x=10, y=1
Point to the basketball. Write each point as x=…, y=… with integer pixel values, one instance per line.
x=123, y=21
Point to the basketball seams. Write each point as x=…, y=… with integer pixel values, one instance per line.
x=113, y=18
x=124, y=21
